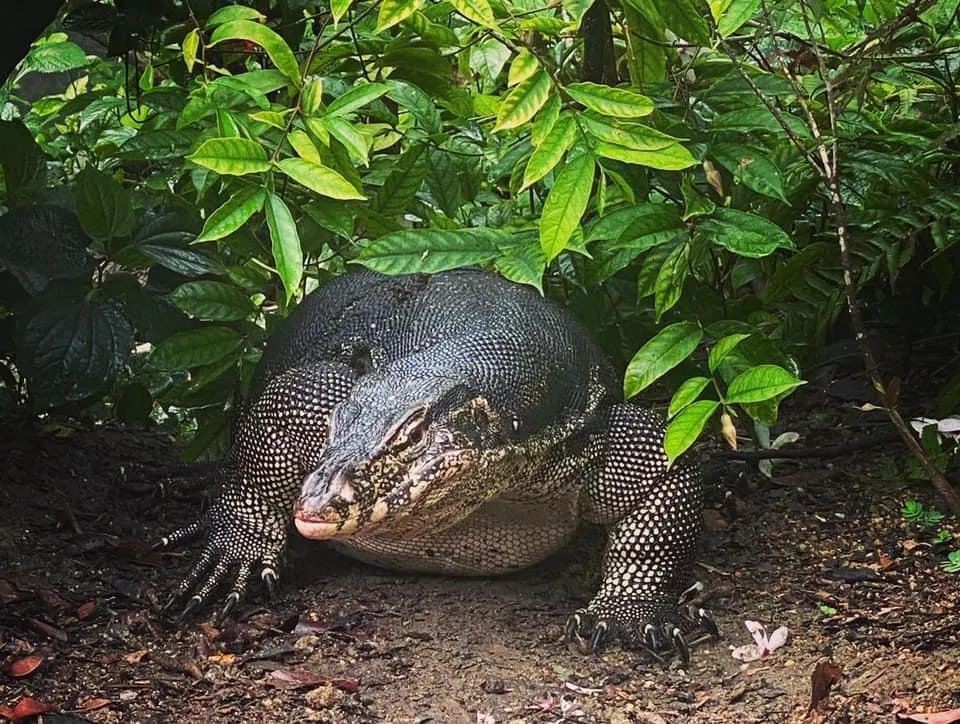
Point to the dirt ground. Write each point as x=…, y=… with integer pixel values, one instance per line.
x=822, y=549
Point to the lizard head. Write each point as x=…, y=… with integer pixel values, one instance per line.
x=398, y=444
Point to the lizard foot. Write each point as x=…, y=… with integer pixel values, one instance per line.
x=236, y=546
x=655, y=626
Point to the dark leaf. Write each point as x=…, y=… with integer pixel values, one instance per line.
x=41, y=243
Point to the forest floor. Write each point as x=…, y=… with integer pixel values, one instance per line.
x=821, y=549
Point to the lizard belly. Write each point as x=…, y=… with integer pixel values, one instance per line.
x=499, y=537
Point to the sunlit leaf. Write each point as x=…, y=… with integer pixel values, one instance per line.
x=274, y=45
x=759, y=384
x=523, y=102
x=285, y=242
x=686, y=393
x=565, y=204
x=324, y=181
x=671, y=346
x=232, y=214
x=617, y=102
x=233, y=156
x=683, y=430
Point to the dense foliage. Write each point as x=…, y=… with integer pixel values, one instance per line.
x=651, y=165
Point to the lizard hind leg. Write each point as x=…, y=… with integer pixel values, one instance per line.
x=655, y=516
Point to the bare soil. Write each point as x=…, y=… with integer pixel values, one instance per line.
x=822, y=549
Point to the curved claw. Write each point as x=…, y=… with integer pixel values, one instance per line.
x=598, y=636
x=232, y=600
x=651, y=637
x=269, y=578
x=680, y=644
x=193, y=603
x=165, y=608
x=705, y=621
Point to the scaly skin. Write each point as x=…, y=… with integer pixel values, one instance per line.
x=454, y=424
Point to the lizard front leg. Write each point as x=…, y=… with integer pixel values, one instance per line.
x=280, y=437
x=655, y=518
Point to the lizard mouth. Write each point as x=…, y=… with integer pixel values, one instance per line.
x=336, y=512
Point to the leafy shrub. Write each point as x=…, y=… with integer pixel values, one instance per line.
x=168, y=206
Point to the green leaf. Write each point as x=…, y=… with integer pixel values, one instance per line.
x=671, y=346
x=304, y=146
x=759, y=384
x=432, y=250
x=350, y=137
x=523, y=264
x=43, y=242
x=320, y=179
x=479, y=11
x=274, y=45
x=230, y=13
x=169, y=251
x=195, y=347
x=235, y=156
x=576, y=9
x=617, y=102
x=729, y=15
x=548, y=154
x=522, y=67
x=70, y=349
x=23, y=163
x=694, y=202
x=311, y=95
x=565, y=204
x=405, y=179
x=232, y=214
x=103, y=205
x=670, y=280
x=649, y=225
x=191, y=44
x=752, y=168
x=285, y=242
x=670, y=158
x=54, y=57
x=357, y=97
x=339, y=8
x=689, y=391
x=395, y=11
x=214, y=301
x=723, y=347
x=523, y=102
x=686, y=427
x=745, y=234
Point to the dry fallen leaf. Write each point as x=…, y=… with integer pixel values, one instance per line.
x=27, y=707
x=135, y=657
x=86, y=610
x=940, y=717
x=824, y=676
x=23, y=667
x=92, y=704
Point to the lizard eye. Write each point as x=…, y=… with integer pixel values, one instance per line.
x=410, y=434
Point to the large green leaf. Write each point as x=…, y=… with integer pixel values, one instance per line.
x=524, y=264
x=689, y=391
x=71, y=349
x=723, y=347
x=617, y=102
x=670, y=280
x=686, y=427
x=55, y=55
x=395, y=11
x=432, y=250
x=24, y=166
x=523, y=102
x=285, y=242
x=234, y=156
x=731, y=14
x=40, y=243
x=565, y=204
x=356, y=98
x=324, y=181
x=213, y=301
x=745, y=234
x=752, y=167
x=103, y=205
x=479, y=11
x=671, y=346
x=233, y=214
x=274, y=45
x=761, y=383
x=548, y=154
x=195, y=347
